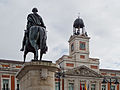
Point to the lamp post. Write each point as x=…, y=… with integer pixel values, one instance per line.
x=58, y=75
x=115, y=81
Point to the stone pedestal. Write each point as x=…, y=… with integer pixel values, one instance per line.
x=37, y=75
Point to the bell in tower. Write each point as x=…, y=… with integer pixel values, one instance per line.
x=79, y=27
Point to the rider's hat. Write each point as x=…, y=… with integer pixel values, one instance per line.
x=34, y=10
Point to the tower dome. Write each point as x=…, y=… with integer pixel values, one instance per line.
x=78, y=27
x=78, y=23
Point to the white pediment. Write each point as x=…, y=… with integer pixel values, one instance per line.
x=82, y=71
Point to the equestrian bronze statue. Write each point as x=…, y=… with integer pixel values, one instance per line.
x=35, y=36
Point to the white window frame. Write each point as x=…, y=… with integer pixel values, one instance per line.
x=57, y=85
x=105, y=86
x=115, y=86
x=69, y=84
x=92, y=84
x=9, y=86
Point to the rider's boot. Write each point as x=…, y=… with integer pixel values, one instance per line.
x=22, y=49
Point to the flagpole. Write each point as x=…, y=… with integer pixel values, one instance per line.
x=88, y=86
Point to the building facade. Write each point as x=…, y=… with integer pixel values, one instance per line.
x=82, y=72
x=8, y=70
x=78, y=70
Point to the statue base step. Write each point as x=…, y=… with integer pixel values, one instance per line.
x=40, y=61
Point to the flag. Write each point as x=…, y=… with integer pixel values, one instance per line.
x=85, y=87
x=80, y=86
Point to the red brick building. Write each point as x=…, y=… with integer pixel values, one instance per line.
x=8, y=70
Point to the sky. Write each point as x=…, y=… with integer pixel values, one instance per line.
x=101, y=18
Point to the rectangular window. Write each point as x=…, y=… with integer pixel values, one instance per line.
x=103, y=87
x=5, y=84
x=56, y=85
x=112, y=87
x=71, y=86
x=92, y=86
x=18, y=85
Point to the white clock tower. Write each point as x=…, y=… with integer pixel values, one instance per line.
x=79, y=43
x=78, y=49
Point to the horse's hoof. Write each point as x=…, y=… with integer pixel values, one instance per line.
x=34, y=59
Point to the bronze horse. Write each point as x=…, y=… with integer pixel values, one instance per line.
x=35, y=41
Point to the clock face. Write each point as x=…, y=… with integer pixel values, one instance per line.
x=72, y=47
x=82, y=45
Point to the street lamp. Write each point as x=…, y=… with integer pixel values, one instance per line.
x=58, y=75
x=115, y=81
